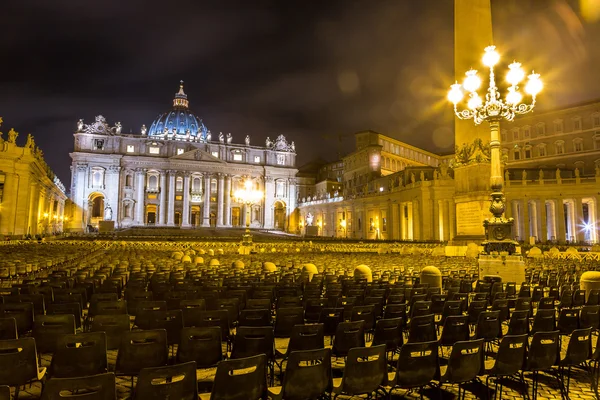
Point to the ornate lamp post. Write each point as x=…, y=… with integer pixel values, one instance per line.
x=248, y=196
x=498, y=229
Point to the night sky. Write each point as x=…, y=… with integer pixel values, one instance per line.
x=311, y=70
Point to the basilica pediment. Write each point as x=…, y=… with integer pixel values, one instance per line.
x=198, y=155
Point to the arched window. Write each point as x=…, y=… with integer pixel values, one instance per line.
x=97, y=177
x=128, y=180
x=527, y=152
x=578, y=144
x=153, y=182
x=559, y=146
x=516, y=154
x=179, y=184
x=98, y=207
x=196, y=184
x=127, y=208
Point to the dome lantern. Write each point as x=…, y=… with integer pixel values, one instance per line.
x=180, y=100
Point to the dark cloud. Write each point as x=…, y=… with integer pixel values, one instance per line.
x=312, y=70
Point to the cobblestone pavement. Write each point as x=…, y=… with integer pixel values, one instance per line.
x=580, y=385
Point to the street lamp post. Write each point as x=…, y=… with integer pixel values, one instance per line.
x=498, y=229
x=248, y=196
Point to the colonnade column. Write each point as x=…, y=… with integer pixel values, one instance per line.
x=414, y=220
x=185, y=223
x=162, y=212
x=435, y=224
x=206, y=205
x=220, y=190
x=579, y=233
x=141, y=177
x=451, y=219
x=551, y=219
x=543, y=220
x=561, y=235
x=526, y=233
x=227, y=194
x=171, y=203
x=533, y=219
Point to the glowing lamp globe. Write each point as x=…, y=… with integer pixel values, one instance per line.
x=515, y=73
x=472, y=81
x=491, y=56
x=455, y=95
x=474, y=102
x=534, y=84
x=513, y=97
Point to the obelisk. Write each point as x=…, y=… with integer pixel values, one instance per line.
x=472, y=33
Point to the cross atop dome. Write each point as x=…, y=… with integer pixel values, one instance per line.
x=180, y=99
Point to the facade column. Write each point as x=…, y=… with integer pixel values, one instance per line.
x=551, y=219
x=220, y=198
x=577, y=221
x=269, y=190
x=227, y=194
x=451, y=219
x=543, y=221
x=594, y=221
x=162, y=211
x=525, y=208
x=437, y=232
x=445, y=221
x=415, y=227
x=185, y=223
x=533, y=219
x=171, y=204
x=560, y=223
x=206, y=205
x=141, y=177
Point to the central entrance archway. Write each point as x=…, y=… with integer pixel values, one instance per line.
x=279, y=215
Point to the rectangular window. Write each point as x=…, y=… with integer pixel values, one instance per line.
x=237, y=157
x=130, y=148
x=180, y=151
x=578, y=146
x=517, y=155
x=215, y=154
x=384, y=224
x=527, y=153
x=558, y=127
x=280, y=159
x=98, y=144
x=515, y=135
x=526, y=133
x=542, y=151
x=371, y=225
x=596, y=121
x=154, y=150
x=503, y=136
x=577, y=124
x=179, y=197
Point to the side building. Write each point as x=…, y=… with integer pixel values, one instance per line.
x=391, y=190
x=32, y=198
x=177, y=173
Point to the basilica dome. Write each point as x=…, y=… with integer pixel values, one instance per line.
x=179, y=120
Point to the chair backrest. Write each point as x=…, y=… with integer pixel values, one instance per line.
x=395, y=311
x=19, y=353
x=456, y=329
x=255, y=317
x=388, y=332
x=579, y=298
x=523, y=303
x=489, y=326
x=289, y=301
x=113, y=326
x=364, y=313
x=348, y=335
x=451, y=307
x=511, y=355
x=543, y=351
x=420, y=308
x=202, y=345
x=475, y=308
x=590, y=317
x=306, y=337
x=142, y=349
x=4, y=392
x=97, y=387
x=544, y=321
x=110, y=308
x=546, y=303
x=568, y=321
x=171, y=321
x=48, y=328
x=21, y=312
x=593, y=297
x=519, y=323
x=8, y=329
x=285, y=320
x=330, y=318
x=502, y=306
x=365, y=370
x=206, y=318
x=170, y=382
x=466, y=361
x=417, y=365
x=252, y=340
x=313, y=366
x=79, y=355
x=579, y=347
x=241, y=379
x=422, y=329
x=66, y=308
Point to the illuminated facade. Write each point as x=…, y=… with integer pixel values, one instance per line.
x=399, y=192
x=177, y=173
x=32, y=198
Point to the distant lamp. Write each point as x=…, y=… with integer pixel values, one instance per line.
x=248, y=196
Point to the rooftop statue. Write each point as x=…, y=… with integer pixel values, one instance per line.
x=118, y=128
x=247, y=140
x=221, y=137
x=144, y=130
x=12, y=135
x=229, y=138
